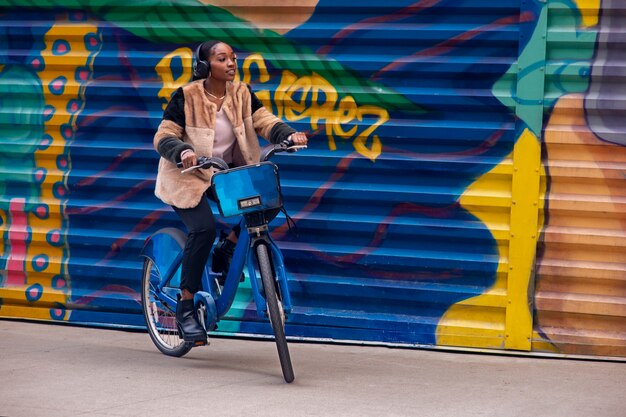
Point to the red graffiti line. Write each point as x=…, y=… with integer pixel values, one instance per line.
x=18, y=238
x=112, y=111
x=381, y=232
x=316, y=198
x=108, y=290
x=482, y=148
x=146, y=222
x=374, y=272
x=116, y=162
x=344, y=164
x=111, y=203
x=399, y=210
x=403, y=13
x=449, y=44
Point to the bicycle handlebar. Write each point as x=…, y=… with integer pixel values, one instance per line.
x=204, y=162
x=285, y=146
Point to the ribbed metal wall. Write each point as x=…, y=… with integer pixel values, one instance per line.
x=581, y=283
x=418, y=203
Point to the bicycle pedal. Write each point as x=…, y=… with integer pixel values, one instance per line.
x=199, y=343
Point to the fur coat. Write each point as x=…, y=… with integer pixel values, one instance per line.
x=189, y=123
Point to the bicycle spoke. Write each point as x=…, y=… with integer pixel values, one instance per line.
x=159, y=316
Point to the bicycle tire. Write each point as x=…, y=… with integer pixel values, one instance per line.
x=160, y=319
x=275, y=312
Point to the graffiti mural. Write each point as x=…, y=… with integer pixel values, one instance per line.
x=416, y=219
x=37, y=133
x=581, y=270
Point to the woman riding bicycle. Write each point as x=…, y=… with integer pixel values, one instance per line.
x=211, y=116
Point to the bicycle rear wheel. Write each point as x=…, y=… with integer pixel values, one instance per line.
x=275, y=312
x=160, y=317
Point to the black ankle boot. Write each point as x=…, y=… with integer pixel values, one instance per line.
x=188, y=327
x=223, y=254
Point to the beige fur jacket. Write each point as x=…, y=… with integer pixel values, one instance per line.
x=189, y=123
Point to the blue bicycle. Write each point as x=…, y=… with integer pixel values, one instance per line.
x=252, y=192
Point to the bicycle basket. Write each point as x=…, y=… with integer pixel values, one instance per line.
x=247, y=189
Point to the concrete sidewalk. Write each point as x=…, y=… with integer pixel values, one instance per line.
x=59, y=370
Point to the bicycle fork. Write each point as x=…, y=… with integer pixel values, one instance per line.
x=278, y=268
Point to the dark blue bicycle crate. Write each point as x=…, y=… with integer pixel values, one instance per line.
x=247, y=189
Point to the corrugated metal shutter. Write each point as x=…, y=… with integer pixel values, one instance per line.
x=417, y=203
x=581, y=282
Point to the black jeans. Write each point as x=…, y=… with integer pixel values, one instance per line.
x=200, y=224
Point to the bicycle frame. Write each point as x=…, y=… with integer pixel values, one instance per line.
x=219, y=302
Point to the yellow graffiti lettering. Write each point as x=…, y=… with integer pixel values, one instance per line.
x=264, y=76
x=346, y=112
x=259, y=62
x=328, y=98
x=313, y=97
x=360, y=142
x=287, y=80
x=296, y=109
x=164, y=71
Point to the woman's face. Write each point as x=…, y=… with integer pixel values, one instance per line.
x=223, y=62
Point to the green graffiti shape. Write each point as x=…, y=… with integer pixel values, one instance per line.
x=21, y=129
x=570, y=51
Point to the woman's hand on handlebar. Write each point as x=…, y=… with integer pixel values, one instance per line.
x=288, y=145
x=203, y=162
x=188, y=158
x=298, y=139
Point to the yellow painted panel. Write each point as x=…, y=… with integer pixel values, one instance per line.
x=479, y=327
x=476, y=322
x=525, y=226
x=511, y=296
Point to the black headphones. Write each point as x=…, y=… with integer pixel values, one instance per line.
x=201, y=68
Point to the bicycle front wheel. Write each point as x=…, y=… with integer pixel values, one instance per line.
x=160, y=317
x=275, y=311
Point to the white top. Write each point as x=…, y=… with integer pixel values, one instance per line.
x=224, y=138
